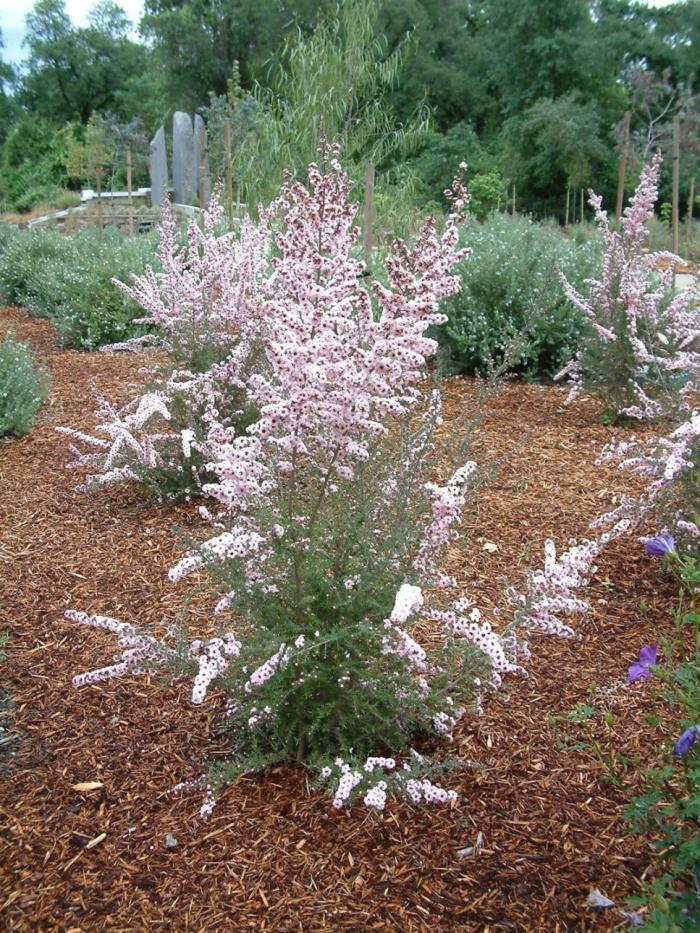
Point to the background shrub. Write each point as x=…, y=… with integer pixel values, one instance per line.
x=23, y=387
x=511, y=289
x=69, y=280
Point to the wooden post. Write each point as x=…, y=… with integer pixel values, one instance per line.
x=691, y=199
x=566, y=209
x=129, y=192
x=583, y=207
x=368, y=220
x=98, y=186
x=675, y=227
x=513, y=200
x=202, y=142
x=623, y=167
x=227, y=170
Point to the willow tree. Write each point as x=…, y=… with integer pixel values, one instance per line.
x=333, y=83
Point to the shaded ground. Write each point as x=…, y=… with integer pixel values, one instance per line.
x=271, y=857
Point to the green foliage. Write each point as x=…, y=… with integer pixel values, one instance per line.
x=334, y=85
x=33, y=162
x=511, y=292
x=23, y=387
x=670, y=808
x=76, y=71
x=487, y=193
x=336, y=581
x=554, y=144
x=197, y=41
x=68, y=279
x=434, y=166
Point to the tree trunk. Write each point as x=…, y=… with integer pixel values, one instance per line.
x=98, y=186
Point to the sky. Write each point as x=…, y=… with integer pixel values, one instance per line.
x=13, y=14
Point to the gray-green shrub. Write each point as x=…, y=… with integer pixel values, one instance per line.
x=511, y=290
x=69, y=280
x=23, y=387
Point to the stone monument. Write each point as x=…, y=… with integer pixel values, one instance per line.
x=158, y=167
x=184, y=166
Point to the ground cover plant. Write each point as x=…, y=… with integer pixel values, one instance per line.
x=23, y=387
x=638, y=354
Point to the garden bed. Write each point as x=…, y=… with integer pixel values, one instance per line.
x=272, y=856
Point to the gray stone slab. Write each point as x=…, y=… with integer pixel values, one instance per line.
x=200, y=132
x=184, y=168
x=158, y=167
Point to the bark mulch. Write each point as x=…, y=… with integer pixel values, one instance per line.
x=547, y=809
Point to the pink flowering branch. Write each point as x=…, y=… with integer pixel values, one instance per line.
x=640, y=340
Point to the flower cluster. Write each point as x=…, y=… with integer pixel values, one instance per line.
x=640, y=354
x=549, y=592
x=144, y=654
x=406, y=781
x=448, y=502
x=669, y=465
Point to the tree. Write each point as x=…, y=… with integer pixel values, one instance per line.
x=555, y=144
x=332, y=84
x=73, y=72
x=7, y=105
x=198, y=41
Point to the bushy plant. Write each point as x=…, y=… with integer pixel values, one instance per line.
x=22, y=255
x=432, y=165
x=32, y=162
x=638, y=353
x=23, y=387
x=511, y=292
x=326, y=524
x=69, y=280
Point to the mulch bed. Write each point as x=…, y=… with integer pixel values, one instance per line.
x=273, y=856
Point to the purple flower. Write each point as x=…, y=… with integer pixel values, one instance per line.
x=685, y=743
x=660, y=545
x=647, y=657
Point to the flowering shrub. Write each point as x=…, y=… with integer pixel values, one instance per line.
x=23, y=387
x=671, y=465
x=327, y=528
x=203, y=312
x=639, y=355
